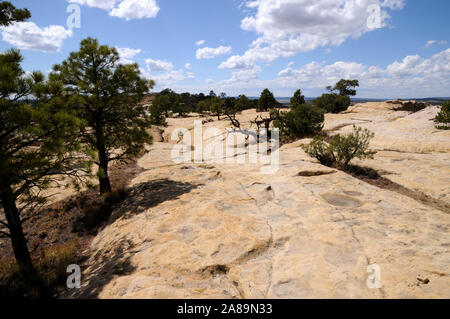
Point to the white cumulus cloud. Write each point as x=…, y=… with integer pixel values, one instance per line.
x=412, y=76
x=127, y=55
x=102, y=4
x=319, y=75
x=407, y=67
x=28, y=36
x=210, y=53
x=135, y=9
x=241, y=77
x=287, y=27
x=169, y=78
x=237, y=62
x=125, y=9
x=172, y=77
x=164, y=74
x=428, y=77
x=430, y=43
x=200, y=42
x=158, y=65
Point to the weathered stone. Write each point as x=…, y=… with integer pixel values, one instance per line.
x=241, y=234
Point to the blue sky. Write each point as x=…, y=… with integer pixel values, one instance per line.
x=396, y=48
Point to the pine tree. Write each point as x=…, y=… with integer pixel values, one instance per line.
x=344, y=87
x=297, y=99
x=216, y=106
x=106, y=95
x=36, y=147
x=243, y=103
x=9, y=14
x=266, y=101
x=442, y=120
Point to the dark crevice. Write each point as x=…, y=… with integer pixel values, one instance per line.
x=314, y=173
x=215, y=270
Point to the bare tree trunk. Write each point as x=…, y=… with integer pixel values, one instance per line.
x=18, y=240
x=105, y=184
x=268, y=131
x=16, y=233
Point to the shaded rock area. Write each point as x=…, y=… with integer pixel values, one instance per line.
x=409, y=106
x=224, y=230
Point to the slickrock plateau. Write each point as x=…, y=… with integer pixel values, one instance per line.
x=220, y=230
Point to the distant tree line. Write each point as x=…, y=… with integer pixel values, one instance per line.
x=169, y=103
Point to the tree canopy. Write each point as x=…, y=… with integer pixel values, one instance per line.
x=266, y=101
x=442, y=120
x=344, y=87
x=337, y=102
x=37, y=145
x=302, y=120
x=243, y=103
x=9, y=14
x=216, y=106
x=297, y=99
x=106, y=94
x=332, y=103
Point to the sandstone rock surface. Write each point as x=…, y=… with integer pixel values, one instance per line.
x=224, y=230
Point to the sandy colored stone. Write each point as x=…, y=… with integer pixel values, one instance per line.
x=208, y=230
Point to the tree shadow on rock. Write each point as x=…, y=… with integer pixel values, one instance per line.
x=105, y=265
x=115, y=260
x=143, y=196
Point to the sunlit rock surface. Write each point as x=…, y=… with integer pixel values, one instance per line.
x=220, y=230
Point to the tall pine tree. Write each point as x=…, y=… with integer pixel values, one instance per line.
x=36, y=147
x=106, y=94
x=266, y=101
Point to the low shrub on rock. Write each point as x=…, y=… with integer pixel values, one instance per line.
x=341, y=150
x=302, y=120
x=333, y=103
x=442, y=120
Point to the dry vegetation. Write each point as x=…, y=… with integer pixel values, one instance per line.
x=60, y=232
